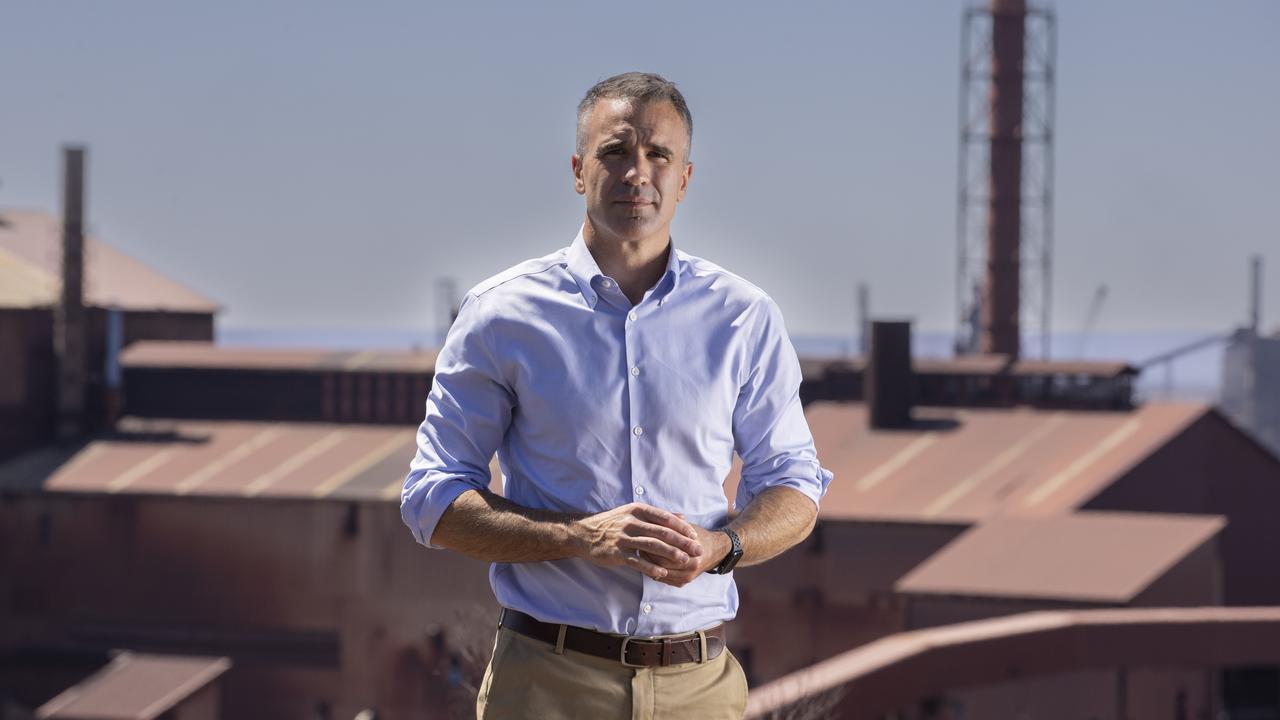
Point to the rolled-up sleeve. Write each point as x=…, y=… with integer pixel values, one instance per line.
x=468, y=411
x=770, y=432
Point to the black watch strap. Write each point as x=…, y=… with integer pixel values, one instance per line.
x=735, y=553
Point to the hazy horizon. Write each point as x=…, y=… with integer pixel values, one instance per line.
x=323, y=165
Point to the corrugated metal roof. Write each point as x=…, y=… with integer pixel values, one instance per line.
x=31, y=245
x=22, y=285
x=897, y=671
x=960, y=465
x=175, y=354
x=215, y=458
x=1106, y=557
x=135, y=687
x=982, y=365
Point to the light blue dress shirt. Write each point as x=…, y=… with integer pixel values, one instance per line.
x=592, y=403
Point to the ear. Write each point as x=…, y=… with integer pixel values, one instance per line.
x=684, y=181
x=579, y=185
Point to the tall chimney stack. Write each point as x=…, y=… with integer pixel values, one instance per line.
x=888, y=383
x=69, y=317
x=1000, y=311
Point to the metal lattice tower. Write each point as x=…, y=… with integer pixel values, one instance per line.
x=1004, y=223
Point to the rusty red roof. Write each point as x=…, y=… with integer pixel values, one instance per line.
x=31, y=258
x=1107, y=557
x=190, y=354
x=960, y=465
x=135, y=687
x=226, y=458
x=888, y=674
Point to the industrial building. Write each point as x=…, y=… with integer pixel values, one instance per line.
x=122, y=300
x=194, y=531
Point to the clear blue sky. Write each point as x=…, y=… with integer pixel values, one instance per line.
x=321, y=164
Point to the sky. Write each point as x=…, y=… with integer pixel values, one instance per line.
x=315, y=164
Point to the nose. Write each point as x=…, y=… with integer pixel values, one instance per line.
x=637, y=172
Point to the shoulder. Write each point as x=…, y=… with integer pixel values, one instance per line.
x=736, y=291
x=518, y=277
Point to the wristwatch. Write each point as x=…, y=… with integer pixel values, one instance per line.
x=730, y=560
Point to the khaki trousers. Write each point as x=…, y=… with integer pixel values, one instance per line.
x=527, y=679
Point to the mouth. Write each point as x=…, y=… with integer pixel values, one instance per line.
x=634, y=202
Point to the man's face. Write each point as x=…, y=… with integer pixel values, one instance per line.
x=634, y=167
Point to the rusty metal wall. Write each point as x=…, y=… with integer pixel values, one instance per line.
x=285, y=395
x=1212, y=468
x=314, y=602
x=28, y=382
x=832, y=592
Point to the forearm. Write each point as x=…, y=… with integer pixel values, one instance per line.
x=485, y=526
x=774, y=521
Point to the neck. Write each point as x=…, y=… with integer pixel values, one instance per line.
x=636, y=264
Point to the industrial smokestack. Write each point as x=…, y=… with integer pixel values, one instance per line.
x=889, y=379
x=1255, y=294
x=1000, y=311
x=69, y=317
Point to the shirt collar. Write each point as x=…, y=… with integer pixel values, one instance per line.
x=582, y=266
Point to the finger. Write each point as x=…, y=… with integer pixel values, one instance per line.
x=665, y=534
x=660, y=550
x=676, y=579
x=657, y=572
x=671, y=567
x=662, y=517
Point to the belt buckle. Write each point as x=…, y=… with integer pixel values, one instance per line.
x=623, y=657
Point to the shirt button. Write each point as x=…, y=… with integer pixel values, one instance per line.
x=607, y=283
x=647, y=608
x=631, y=316
x=639, y=489
x=638, y=431
x=635, y=371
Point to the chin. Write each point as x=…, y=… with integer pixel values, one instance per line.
x=632, y=228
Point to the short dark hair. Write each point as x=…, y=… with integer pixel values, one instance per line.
x=636, y=86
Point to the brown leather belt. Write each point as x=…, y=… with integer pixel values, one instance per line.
x=631, y=651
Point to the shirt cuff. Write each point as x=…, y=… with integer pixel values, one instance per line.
x=812, y=486
x=422, y=506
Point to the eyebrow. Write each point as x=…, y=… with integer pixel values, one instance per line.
x=612, y=143
x=662, y=149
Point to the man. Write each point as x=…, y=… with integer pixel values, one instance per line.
x=615, y=378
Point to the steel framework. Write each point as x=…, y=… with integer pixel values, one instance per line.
x=1005, y=237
